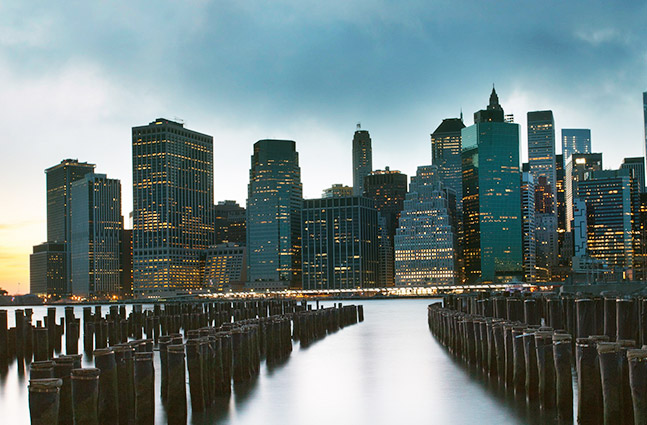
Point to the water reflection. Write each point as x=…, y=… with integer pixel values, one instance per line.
x=387, y=370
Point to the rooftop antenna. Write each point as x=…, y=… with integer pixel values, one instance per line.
x=179, y=120
x=461, y=114
x=359, y=125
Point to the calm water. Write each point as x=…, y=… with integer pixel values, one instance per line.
x=386, y=370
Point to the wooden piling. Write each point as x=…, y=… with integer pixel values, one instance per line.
x=562, y=354
x=85, y=396
x=176, y=411
x=609, y=364
x=144, y=388
x=108, y=404
x=589, y=394
x=63, y=370
x=44, y=401
x=125, y=381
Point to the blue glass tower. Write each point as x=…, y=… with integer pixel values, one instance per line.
x=492, y=197
x=274, y=216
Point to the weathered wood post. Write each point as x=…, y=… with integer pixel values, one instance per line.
x=609, y=360
x=44, y=400
x=176, y=411
x=637, y=359
x=108, y=405
x=63, y=369
x=144, y=388
x=85, y=396
x=589, y=394
x=562, y=354
x=42, y=370
x=125, y=381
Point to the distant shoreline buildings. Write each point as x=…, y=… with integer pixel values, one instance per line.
x=475, y=215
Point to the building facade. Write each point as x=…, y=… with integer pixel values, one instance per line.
x=47, y=270
x=492, y=219
x=426, y=239
x=274, y=202
x=528, y=226
x=230, y=223
x=59, y=200
x=541, y=152
x=340, y=243
x=172, y=207
x=337, y=191
x=362, y=159
x=225, y=267
x=611, y=201
x=576, y=167
x=446, y=149
x=575, y=140
x=637, y=167
x=95, y=246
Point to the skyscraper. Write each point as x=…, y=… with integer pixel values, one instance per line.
x=47, y=270
x=172, y=207
x=96, y=231
x=426, y=239
x=446, y=154
x=541, y=150
x=387, y=188
x=492, y=220
x=230, y=223
x=576, y=167
x=528, y=226
x=59, y=200
x=274, y=216
x=610, y=202
x=225, y=267
x=362, y=159
x=340, y=243
x=575, y=140
x=645, y=119
x=637, y=167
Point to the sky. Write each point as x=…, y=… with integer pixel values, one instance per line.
x=75, y=76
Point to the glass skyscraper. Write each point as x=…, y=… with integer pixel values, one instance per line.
x=492, y=220
x=172, y=207
x=637, y=167
x=59, y=200
x=362, y=159
x=340, y=243
x=96, y=233
x=576, y=167
x=541, y=151
x=528, y=227
x=426, y=239
x=611, y=203
x=575, y=140
x=446, y=154
x=274, y=202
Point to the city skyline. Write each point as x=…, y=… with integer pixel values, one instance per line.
x=82, y=87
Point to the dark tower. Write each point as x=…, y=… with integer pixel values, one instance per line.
x=362, y=159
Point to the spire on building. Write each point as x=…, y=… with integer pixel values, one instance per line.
x=494, y=100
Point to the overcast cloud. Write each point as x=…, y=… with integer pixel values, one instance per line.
x=75, y=76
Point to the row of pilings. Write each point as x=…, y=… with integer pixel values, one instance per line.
x=210, y=345
x=534, y=345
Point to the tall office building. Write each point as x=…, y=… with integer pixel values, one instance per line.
x=492, y=219
x=541, y=149
x=96, y=225
x=645, y=119
x=59, y=199
x=446, y=154
x=126, y=263
x=528, y=226
x=172, y=207
x=611, y=201
x=337, y=191
x=47, y=270
x=230, y=223
x=388, y=189
x=340, y=243
x=362, y=159
x=637, y=167
x=426, y=239
x=575, y=140
x=274, y=202
x=576, y=167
